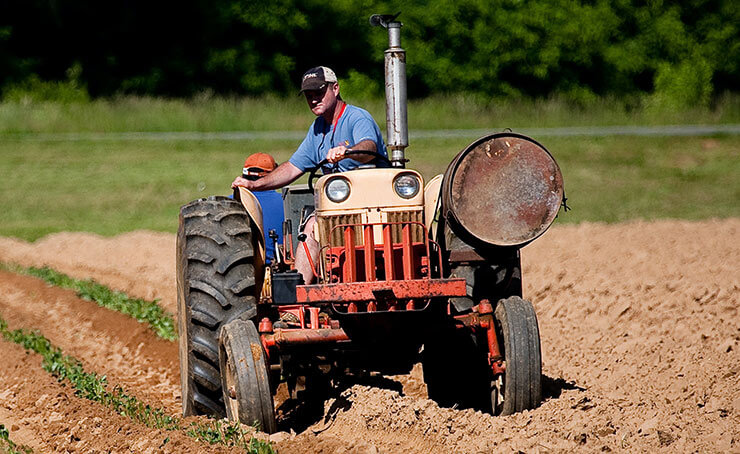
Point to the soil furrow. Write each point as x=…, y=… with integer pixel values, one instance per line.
x=48, y=417
x=640, y=327
x=141, y=264
x=109, y=343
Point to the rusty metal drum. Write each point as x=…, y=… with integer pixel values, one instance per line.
x=502, y=190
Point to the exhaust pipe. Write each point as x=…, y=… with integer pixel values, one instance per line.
x=395, y=89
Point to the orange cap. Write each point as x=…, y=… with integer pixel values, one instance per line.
x=262, y=161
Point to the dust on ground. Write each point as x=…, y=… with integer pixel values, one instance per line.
x=640, y=332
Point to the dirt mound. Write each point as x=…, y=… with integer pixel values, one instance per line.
x=141, y=264
x=640, y=332
x=106, y=342
x=47, y=417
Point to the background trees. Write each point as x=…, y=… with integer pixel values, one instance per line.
x=680, y=52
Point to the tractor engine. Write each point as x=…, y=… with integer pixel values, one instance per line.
x=371, y=226
x=375, y=249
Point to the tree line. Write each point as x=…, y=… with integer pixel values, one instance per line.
x=683, y=51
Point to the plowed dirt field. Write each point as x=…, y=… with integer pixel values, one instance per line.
x=640, y=328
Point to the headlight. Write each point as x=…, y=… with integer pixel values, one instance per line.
x=406, y=185
x=337, y=190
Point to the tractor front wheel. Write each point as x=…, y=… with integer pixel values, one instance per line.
x=458, y=373
x=245, y=378
x=520, y=386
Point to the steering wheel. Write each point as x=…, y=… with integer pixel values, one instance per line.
x=350, y=152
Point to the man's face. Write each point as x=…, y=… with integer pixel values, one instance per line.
x=322, y=100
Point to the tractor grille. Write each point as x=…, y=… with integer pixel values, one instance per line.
x=327, y=223
x=417, y=233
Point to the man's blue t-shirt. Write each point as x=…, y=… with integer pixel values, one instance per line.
x=354, y=126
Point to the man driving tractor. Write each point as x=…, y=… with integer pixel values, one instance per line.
x=338, y=128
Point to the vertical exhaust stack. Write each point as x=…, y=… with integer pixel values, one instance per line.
x=395, y=89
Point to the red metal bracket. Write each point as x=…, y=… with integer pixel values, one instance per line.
x=282, y=338
x=366, y=291
x=482, y=319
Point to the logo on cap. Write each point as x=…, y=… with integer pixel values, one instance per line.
x=315, y=78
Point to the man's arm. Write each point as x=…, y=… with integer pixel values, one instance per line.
x=336, y=154
x=285, y=174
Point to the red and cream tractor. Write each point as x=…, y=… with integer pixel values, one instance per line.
x=407, y=272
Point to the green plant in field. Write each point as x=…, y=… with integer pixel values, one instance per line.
x=7, y=446
x=144, y=311
x=94, y=387
x=683, y=85
x=34, y=90
x=230, y=434
x=360, y=86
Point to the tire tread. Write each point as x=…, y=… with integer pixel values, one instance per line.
x=216, y=284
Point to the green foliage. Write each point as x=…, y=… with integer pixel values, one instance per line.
x=35, y=90
x=360, y=87
x=229, y=434
x=685, y=84
x=144, y=311
x=7, y=446
x=94, y=387
x=493, y=48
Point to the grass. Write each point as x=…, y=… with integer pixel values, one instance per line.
x=148, y=312
x=277, y=114
x=112, y=187
x=93, y=387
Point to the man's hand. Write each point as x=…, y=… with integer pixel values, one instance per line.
x=341, y=152
x=243, y=182
x=336, y=154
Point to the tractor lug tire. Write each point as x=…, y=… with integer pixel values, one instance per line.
x=216, y=283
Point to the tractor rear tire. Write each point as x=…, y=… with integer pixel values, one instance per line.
x=456, y=370
x=216, y=283
x=245, y=377
x=520, y=386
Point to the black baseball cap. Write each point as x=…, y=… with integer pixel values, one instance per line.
x=316, y=78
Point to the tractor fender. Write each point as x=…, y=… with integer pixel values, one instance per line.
x=432, y=195
x=254, y=210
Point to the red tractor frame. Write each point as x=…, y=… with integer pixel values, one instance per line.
x=406, y=273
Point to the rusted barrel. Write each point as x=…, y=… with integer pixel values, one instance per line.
x=504, y=190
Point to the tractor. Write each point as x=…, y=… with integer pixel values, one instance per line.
x=407, y=272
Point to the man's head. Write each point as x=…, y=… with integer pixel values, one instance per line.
x=258, y=165
x=321, y=89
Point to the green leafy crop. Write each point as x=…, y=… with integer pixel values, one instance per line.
x=142, y=310
x=7, y=446
x=94, y=387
